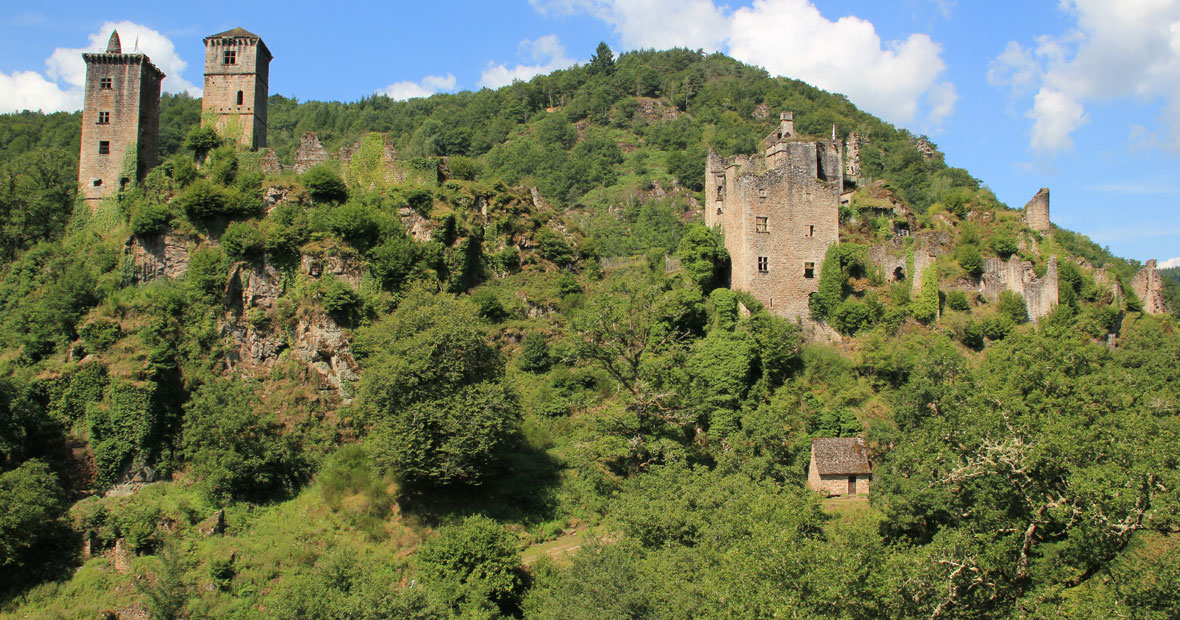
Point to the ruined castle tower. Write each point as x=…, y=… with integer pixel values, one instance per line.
x=1149, y=288
x=120, y=120
x=1036, y=212
x=237, y=70
x=779, y=213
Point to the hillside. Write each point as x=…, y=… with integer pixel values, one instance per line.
x=481, y=362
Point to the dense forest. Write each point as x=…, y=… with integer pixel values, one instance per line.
x=515, y=385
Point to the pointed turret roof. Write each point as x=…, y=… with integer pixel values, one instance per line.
x=114, y=46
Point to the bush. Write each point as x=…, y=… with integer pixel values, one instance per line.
x=473, y=565
x=202, y=139
x=970, y=260
x=99, y=334
x=488, y=305
x=150, y=219
x=534, y=353
x=464, y=168
x=925, y=308
x=324, y=185
x=243, y=240
x=235, y=451
x=1004, y=245
x=31, y=510
x=203, y=199
x=957, y=300
x=851, y=316
x=339, y=298
x=1012, y=305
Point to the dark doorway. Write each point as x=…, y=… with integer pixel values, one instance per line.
x=852, y=485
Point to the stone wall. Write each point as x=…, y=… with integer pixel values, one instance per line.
x=1036, y=211
x=779, y=213
x=122, y=110
x=1149, y=288
x=1040, y=294
x=310, y=152
x=157, y=256
x=235, y=94
x=852, y=157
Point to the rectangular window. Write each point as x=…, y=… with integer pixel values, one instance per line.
x=231, y=57
x=104, y=83
x=104, y=147
x=104, y=118
x=760, y=225
x=811, y=231
x=808, y=270
x=763, y=264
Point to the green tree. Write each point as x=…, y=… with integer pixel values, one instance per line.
x=603, y=60
x=234, y=451
x=702, y=256
x=324, y=185
x=201, y=140
x=473, y=567
x=32, y=507
x=534, y=353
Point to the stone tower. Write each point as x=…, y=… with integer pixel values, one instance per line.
x=237, y=70
x=1149, y=288
x=120, y=120
x=779, y=213
x=1036, y=212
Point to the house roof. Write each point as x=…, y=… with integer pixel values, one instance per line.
x=840, y=456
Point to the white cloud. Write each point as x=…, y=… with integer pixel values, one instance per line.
x=546, y=53
x=897, y=80
x=1168, y=264
x=428, y=86
x=1117, y=50
x=60, y=88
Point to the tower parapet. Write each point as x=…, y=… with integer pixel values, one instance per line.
x=120, y=120
x=237, y=73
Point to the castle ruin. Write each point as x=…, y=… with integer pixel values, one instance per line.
x=120, y=120
x=1036, y=211
x=779, y=213
x=1040, y=294
x=1149, y=288
x=237, y=70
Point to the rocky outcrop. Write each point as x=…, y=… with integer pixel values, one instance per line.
x=157, y=256
x=325, y=347
x=348, y=270
x=1149, y=288
x=1040, y=294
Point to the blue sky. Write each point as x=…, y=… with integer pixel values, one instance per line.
x=1081, y=96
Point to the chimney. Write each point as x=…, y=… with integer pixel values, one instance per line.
x=786, y=128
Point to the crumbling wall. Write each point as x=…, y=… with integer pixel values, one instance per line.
x=1149, y=288
x=310, y=152
x=852, y=157
x=1040, y=294
x=1036, y=211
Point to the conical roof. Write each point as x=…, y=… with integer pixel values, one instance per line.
x=114, y=46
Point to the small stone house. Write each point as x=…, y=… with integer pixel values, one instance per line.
x=839, y=466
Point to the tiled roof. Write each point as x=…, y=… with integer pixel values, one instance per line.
x=840, y=455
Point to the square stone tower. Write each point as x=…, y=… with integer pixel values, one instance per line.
x=779, y=212
x=120, y=120
x=237, y=70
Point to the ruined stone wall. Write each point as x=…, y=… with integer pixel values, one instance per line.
x=801, y=214
x=1036, y=211
x=1040, y=294
x=310, y=152
x=1149, y=288
x=239, y=118
x=123, y=113
x=852, y=157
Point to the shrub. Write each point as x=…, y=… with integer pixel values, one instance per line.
x=324, y=185
x=472, y=564
x=925, y=308
x=99, y=334
x=1004, y=245
x=202, y=139
x=1012, y=305
x=488, y=305
x=464, y=168
x=957, y=300
x=202, y=199
x=150, y=219
x=534, y=353
x=31, y=511
x=339, y=298
x=243, y=240
x=970, y=260
x=851, y=316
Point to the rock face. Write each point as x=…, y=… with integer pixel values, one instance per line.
x=157, y=256
x=1040, y=294
x=1036, y=211
x=1149, y=287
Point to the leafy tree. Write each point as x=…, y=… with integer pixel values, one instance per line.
x=203, y=199
x=534, y=353
x=702, y=256
x=1012, y=306
x=32, y=508
x=840, y=262
x=243, y=240
x=202, y=140
x=1004, y=245
x=234, y=451
x=150, y=219
x=970, y=259
x=473, y=567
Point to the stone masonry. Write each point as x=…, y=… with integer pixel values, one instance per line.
x=779, y=213
x=237, y=70
x=1036, y=212
x=120, y=120
x=1040, y=294
x=1149, y=288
